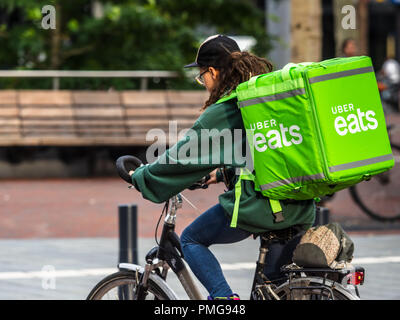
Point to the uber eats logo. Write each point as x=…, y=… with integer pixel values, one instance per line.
x=353, y=120
x=279, y=135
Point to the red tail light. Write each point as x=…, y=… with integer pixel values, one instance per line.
x=382, y=86
x=356, y=278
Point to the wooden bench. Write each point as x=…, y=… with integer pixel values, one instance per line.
x=10, y=122
x=87, y=118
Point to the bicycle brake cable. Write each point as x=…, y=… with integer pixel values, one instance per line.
x=191, y=204
x=165, y=209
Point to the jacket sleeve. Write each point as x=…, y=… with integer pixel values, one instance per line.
x=176, y=169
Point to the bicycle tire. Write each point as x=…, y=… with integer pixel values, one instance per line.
x=374, y=215
x=355, y=195
x=313, y=292
x=156, y=287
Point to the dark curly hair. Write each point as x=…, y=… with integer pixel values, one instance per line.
x=237, y=67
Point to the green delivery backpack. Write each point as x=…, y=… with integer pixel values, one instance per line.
x=314, y=128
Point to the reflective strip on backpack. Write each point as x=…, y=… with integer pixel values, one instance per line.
x=361, y=163
x=273, y=97
x=284, y=182
x=341, y=74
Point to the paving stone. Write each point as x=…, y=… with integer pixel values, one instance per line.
x=382, y=280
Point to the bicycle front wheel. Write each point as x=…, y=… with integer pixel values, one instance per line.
x=122, y=285
x=313, y=288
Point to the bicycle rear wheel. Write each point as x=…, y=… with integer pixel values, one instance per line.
x=379, y=197
x=122, y=286
x=313, y=288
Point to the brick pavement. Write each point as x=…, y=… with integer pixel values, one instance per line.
x=53, y=208
x=382, y=279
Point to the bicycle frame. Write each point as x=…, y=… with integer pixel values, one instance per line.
x=262, y=286
x=168, y=255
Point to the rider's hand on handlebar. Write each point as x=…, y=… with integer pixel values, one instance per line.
x=131, y=172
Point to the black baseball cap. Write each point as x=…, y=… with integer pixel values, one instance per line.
x=213, y=50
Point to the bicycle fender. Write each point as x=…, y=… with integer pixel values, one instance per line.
x=329, y=283
x=130, y=266
x=155, y=278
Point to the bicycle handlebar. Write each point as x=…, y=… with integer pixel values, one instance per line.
x=201, y=184
x=128, y=163
x=125, y=164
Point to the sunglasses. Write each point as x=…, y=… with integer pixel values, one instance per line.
x=200, y=79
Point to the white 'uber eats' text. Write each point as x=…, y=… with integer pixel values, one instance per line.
x=278, y=137
x=356, y=121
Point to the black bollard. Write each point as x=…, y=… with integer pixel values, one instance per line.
x=127, y=216
x=128, y=252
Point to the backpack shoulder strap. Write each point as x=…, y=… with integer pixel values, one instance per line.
x=227, y=97
x=275, y=204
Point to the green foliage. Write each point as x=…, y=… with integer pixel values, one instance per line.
x=130, y=35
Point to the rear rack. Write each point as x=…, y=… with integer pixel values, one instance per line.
x=337, y=275
x=288, y=269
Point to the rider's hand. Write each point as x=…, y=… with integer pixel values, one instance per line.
x=213, y=177
x=131, y=172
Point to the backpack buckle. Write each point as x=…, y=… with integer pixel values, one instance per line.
x=278, y=217
x=276, y=210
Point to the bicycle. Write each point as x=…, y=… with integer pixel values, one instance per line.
x=134, y=282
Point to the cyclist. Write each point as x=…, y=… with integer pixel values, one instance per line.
x=222, y=67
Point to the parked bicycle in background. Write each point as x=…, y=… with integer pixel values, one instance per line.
x=389, y=85
x=378, y=197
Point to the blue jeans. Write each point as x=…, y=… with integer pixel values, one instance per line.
x=212, y=227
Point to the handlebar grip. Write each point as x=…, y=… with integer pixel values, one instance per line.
x=125, y=164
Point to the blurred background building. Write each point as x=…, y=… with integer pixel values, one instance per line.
x=312, y=30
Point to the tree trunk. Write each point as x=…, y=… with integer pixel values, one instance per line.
x=306, y=30
x=56, y=40
x=362, y=16
x=359, y=33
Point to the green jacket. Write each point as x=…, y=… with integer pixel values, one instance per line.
x=171, y=174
